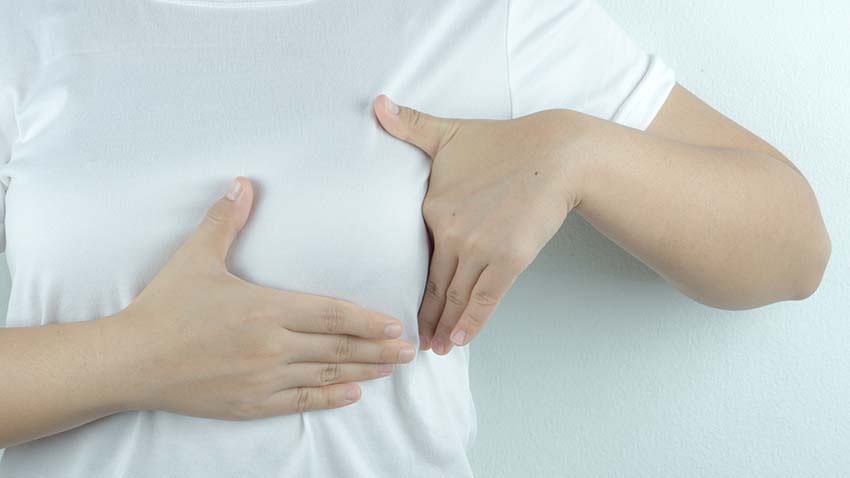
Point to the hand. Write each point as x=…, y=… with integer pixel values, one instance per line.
x=498, y=192
x=216, y=346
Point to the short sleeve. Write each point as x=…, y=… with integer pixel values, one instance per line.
x=13, y=53
x=571, y=54
x=7, y=121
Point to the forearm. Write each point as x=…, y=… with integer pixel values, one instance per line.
x=59, y=376
x=732, y=229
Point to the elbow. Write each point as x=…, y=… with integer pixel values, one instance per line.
x=800, y=282
x=812, y=267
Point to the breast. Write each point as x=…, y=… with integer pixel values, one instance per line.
x=342, y=217
x=115, y=176
x=131, y=132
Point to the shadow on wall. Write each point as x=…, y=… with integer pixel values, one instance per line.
x=583, y=269
x=588, y=252
x=591, y=346
x=586, y=293
x=585, y=309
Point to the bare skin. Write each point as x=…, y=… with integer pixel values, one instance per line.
x=197, y=341
x=713, y=209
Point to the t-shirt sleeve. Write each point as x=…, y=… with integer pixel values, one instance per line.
x=15, y=52
x=6, y=135
x=571, y=54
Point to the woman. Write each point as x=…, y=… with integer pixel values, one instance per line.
x=144, y=345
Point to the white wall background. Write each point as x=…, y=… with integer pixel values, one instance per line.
x=594, y=367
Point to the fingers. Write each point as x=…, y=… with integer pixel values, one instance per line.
x=491, y=287
x=347, y=349
x=222, y=222
x=457, y=296
x=303, y=399
x=443, y=266
x=428, y=133
x=323, y=315
x=320, y=374
x=314, y=386
x=317, y=314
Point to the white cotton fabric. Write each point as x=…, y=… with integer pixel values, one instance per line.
x=121, y=122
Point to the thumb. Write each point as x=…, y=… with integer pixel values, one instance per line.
x=224, y=219
x=426, y=132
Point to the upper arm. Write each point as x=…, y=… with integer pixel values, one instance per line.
x=687, y=119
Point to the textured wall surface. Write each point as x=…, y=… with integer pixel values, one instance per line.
x=594, y=367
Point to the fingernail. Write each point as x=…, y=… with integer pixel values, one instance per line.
x=235, y=190
x=386, y=368
x=459, y=337
x=392, y=331
x=351, y=394
x=392, y=108
x=437, y=346
x=424, y=343
x=406, y=354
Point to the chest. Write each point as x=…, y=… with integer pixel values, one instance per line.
x=140, y=114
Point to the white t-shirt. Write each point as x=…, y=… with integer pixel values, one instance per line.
x=121, y=122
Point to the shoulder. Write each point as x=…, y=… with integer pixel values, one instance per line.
x=18, y=50
x=536, y=10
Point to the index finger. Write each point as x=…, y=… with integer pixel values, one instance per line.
x=318, y=314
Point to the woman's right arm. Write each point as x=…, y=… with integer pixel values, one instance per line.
x=58, y=376
x=197, y=341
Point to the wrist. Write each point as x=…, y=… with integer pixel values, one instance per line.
x=575, y=150
x=126, y=371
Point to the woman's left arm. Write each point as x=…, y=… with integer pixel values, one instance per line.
x=709, y=206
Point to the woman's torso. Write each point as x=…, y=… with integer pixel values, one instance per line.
x=134, y=116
